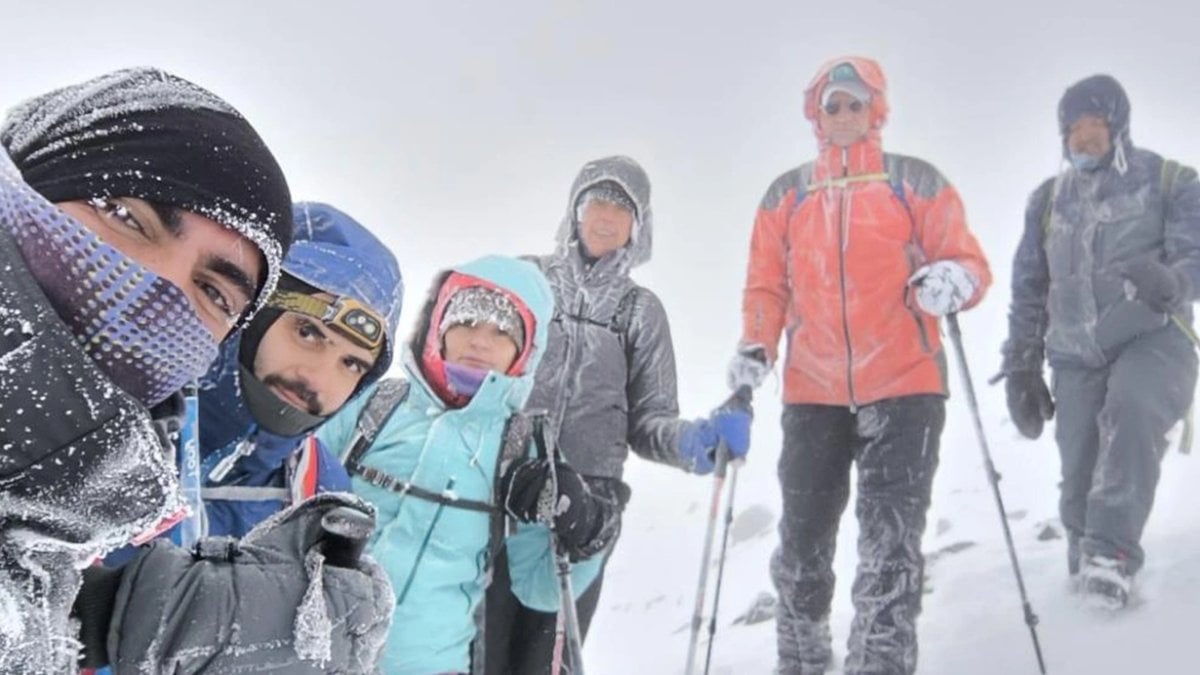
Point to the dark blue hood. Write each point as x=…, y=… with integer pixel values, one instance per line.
x=1102, y=96
x=334, y=253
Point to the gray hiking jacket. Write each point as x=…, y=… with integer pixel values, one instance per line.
x=607, y=379
x=1069, y=303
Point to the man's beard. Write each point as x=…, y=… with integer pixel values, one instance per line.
x=300, y=389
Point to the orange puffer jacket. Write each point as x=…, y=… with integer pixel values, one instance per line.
x=834, y=243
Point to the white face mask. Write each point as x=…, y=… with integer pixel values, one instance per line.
x=1083, y=161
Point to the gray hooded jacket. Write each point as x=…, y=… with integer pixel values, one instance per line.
x=607, y=379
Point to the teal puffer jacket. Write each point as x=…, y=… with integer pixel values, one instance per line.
x=435, y=554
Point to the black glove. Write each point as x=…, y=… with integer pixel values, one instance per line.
x=94, y=608
x=1029, y=401
x=529, y=497
x=275, y=601
x=1162, y=288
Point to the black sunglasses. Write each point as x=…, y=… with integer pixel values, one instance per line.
x=833, y=107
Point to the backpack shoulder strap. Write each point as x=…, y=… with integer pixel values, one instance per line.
x=383, y=402
x=623, y=316
x=518, y=431
x=1166, y=179
x=1049, y=210
x=896, y=181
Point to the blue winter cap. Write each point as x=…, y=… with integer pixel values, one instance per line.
x=335, y=253
x=845, y=78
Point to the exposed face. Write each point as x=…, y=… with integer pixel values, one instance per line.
x=309, y=365
x=482, y=346
x=1089, y=135
x=844, y=119
x=605, y=227
x=215, y=267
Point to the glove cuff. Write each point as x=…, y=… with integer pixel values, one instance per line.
x=696, y=441
x=94, y=608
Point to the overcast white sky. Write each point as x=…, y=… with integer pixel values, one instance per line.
x=455, y=128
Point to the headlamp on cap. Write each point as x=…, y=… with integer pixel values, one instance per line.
x=347, y=316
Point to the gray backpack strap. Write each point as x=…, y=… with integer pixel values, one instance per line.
x=383, y=402
x=518, y=431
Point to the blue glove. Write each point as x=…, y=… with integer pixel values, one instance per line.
x=699, y=439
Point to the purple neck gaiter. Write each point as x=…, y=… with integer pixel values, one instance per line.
x=139, y=328
x=463, y=380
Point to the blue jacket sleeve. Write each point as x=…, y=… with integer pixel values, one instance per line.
x=1028, y=316
x=331, y=475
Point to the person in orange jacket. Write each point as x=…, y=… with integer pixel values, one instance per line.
x=855, y=255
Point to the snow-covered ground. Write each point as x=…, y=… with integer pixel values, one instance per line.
x=972, y=621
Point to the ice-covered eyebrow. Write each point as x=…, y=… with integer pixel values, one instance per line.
x=233, y=273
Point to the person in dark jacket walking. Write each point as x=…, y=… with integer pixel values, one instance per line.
x=608, y=385
x=1102, y=286
x=326, y=333
x=141, y=220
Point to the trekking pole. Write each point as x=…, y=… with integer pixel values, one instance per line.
x=740, y=398
x=1031, y=619
x=712, y=623
x=566, y=631
x=191, y=528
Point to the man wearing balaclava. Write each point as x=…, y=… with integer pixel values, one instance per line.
x=855, y=256
x=141, y=220
x=1102, y=289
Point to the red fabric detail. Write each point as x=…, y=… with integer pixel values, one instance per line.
x=432, y=362
x=162, y=526
x=310, y=461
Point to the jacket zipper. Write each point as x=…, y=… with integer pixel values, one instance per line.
x=843, y=237
x=412, y=574
x=244, y=448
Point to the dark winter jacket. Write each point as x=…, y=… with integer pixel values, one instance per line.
x=608, y=377
x=82, y=470
x=1069, y=303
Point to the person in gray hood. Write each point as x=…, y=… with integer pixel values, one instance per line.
x=607, y=383
x=1103, y=282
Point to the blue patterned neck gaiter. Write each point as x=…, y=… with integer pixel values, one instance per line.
x=139, y=328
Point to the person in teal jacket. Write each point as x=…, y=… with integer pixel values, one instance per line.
x=432, y=468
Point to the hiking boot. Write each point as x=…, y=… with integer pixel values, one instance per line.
x=1107, y=583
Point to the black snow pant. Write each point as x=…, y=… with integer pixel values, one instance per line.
x=519, y=640
x=895, y=445
x=1111, y=430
